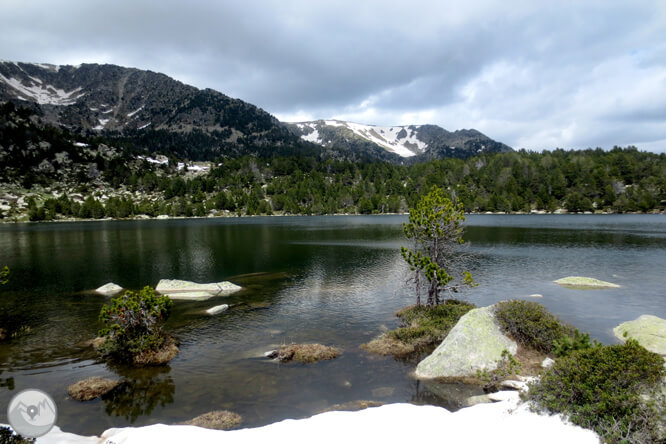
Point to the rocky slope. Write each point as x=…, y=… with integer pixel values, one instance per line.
x=141, y=108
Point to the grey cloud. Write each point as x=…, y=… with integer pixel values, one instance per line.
x=385, y=58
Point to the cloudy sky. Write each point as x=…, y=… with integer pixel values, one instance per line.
x=532, y=74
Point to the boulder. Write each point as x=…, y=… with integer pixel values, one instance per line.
x=91, y=388
x=474, y=343
x=648, y=330
x=217, y=309
x=109, y=289
x=585, y=283
x=177, y=289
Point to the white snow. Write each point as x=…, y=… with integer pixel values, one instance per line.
x=145, y=126
x=103, y=121
x=387, y=137
x=80, y=144
x=42, y=94
x=384, y=136
x=135, y=111
x=502, y=422
x=160, y=160
x=107, y=111
x=312, y=137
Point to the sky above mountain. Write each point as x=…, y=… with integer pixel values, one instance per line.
x=532, y=74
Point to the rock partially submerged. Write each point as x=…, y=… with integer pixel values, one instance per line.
x=109, y=289
x=217, y=309
x=475, y=344
x=648, y=330
x=216, y=420
x=584, y=283
x=91, y=388
x=178, y=289
x=307, y=353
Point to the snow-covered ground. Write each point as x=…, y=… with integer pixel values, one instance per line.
x=41, y=93
x=401, y=140
x=501, y=422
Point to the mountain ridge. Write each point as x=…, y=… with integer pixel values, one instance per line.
x=414, y=142
x=152, y=113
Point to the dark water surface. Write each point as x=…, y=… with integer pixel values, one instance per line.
x=335, y=280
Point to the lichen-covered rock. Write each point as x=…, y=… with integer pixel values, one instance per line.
x=585, y=283
x=648, y=330
x=475, y=343
x=109, y=289
x=178, y=289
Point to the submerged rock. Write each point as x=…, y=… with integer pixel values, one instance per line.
x=109, y=289
x=216, y=420
x=584, y=283
x=475, y=343
x=91, y=388
x=306, y=353
x=217, y=309
x=352, y=406
x=648, y=330
x=178, y=289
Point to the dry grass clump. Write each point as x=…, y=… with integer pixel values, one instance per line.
x=307, y=353
x=216, y=420
x=91, y=388
x=388, y=345
x=164, y=354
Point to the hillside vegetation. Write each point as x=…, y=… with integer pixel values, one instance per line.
x=50, y=173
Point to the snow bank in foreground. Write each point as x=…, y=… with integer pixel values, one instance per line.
x=502, y=422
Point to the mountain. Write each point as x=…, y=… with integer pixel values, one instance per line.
x=417, y=142
x=142, y=109
x=147, y=113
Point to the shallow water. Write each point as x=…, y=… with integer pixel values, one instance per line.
x=336, y=280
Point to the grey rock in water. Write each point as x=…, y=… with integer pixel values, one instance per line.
x=474, y=343
x=178, y=289
x=109, y=289
x=648, y=330
x=585, y=283
x=217, y=309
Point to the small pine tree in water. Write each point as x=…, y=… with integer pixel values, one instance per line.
x=435, y=226
x=133, y=324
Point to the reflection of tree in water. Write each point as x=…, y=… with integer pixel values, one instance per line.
x=140, y=393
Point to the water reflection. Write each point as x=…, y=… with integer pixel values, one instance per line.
x=139, y=394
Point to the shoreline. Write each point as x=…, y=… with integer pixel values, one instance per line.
x=144, y=217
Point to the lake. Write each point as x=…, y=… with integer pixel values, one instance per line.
x=337, y=280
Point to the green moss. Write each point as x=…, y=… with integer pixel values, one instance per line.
x=605, y=388
x=533, y=326
x=429, y=325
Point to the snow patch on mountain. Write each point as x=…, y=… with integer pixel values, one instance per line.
x=401, y=140
x=42, y=94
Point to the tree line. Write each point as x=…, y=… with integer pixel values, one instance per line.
x=619, y=180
